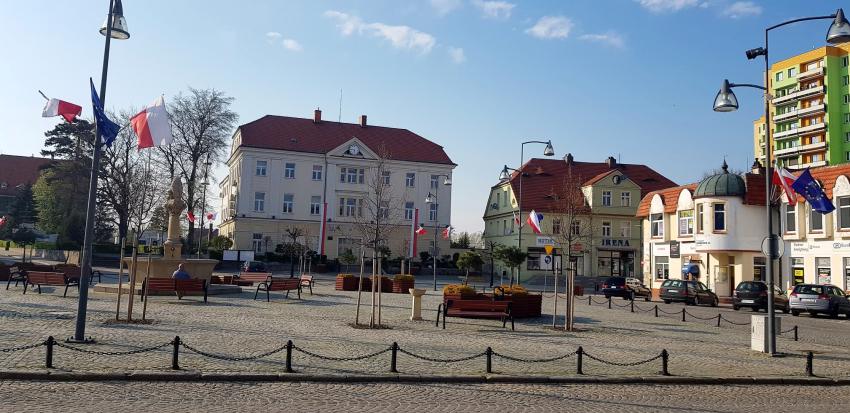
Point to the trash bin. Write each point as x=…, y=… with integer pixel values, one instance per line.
x=578, y=291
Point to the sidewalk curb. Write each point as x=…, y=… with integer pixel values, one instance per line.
x=197, y=376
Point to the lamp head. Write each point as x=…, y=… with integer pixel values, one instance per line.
x=754, y=53
x=549, y=151
x=839, y=30
x=429, y=199
x=505, y=175
x=447, y=181
x=725, y=101
x=119, y=24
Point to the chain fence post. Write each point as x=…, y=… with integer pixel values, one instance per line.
x=665, y=358
x=48, y=362
x=175, y=353
x=656, y=310
x=718, y=320
x=609, y=303
x=810, y=368
x=393, y=358
x=633, y=305
x=579, y=360
x=683, y=315
x=489, y=353
x=795, y=333
x=589, y=297
x=289, y=356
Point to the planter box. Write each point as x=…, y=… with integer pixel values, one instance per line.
x=350, y=284
x=403, y=287
x=525, y=306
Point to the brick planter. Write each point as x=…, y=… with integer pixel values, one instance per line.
x=525, y=306
x=350, y=284
x=403, y=287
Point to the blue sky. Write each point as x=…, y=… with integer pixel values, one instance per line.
x=633, y=79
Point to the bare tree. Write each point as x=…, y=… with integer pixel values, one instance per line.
x=202, y=123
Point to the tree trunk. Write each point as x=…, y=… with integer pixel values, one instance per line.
x=372, y=302
x=359, y=293
x=380, y=289
x=555, y=304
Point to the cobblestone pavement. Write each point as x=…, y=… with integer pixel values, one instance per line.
x=311, y=397
x=237, y=325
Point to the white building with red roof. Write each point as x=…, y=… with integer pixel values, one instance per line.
x=286, y=173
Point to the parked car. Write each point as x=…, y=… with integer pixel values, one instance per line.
x=688, y=292
x=824, y=299
x=753, y=294
x=625, y=287
x=254, y=266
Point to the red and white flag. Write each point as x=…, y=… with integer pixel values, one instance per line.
x=152, y=125
x=2, y=221
x=516, y=219
x=56, y=107
x=420, y=230
x=211, y=216
x=785, y=179
x=413, y=233
x=190, y=216
x=447, y=232
x=534, y=221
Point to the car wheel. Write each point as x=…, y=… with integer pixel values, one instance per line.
x=666, y=301
x=754, y=309
x=795, y=313
x=834, y=312
x=716, y=302
x=735, y=307
x=787, y=308
x=647, y=298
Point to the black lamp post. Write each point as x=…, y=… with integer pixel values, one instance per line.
x=725, y=101
x=115, y=27
x=432, y=199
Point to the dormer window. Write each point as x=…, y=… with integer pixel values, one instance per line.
x=656, y=224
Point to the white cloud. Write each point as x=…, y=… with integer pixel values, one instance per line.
x=444, y=7
x=400, y=37
x=551, y=27
x=662, y=6
x=610, y=38
x=494, y=9
x=741, y=9
x=457, y=54
x=272, y=37
x=292, y=44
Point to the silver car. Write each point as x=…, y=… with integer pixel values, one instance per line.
x=824, y=299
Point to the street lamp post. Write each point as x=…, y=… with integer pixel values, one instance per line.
x=206, y=183
x=431, y=199
x=725, y=101
x=115, y=27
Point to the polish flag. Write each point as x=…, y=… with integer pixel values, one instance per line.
x=447, y=232
x=211, y=216
x=534, y=220
x=190, y=216
x=785, y=179
x=420, y=230
x=516, y=219
x=56, y=107
x=2, y=221
x=152, y=125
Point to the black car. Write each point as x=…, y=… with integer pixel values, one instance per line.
x=688, y=292
x=628, y=288
x=254, y=266
x=753, y=294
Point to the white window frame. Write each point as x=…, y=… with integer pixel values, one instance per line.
x=714, y=220
x=410, y=179
x=606, y=229
x=259, y=201
x=435, y=181
x=261, y=168
x=575, y=227
x=790, y=212
x=433, y=210
x=315, y=205
x=688, y=222
x=408, y=211
x=386, y=177
x=626, y=199
x=626, y=229
x=289, y=170
x=606, y=198
x=350, y=207
x=700, y=218
x=812, y=219
x=318, y=170
x=288, y=206
x=656, y=225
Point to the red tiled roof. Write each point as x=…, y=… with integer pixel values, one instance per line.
x=304, y=135
x=545, y=177
x=669, y=196
x=16, y=170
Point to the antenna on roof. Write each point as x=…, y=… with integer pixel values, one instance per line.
x=339, y=119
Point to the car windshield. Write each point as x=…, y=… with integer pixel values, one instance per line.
x=750, y=286
x=674, y=284
x=616, y=281
x=809, y=289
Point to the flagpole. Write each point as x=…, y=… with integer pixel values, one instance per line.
x=88, y=238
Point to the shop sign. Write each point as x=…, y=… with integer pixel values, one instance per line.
x=661, y=250
x=674, y=249
x=542, y=242
x=608, y=242
x=823, y=247
x=687, y=248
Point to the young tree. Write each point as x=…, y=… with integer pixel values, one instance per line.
x=461, y=241
x=347, y=257
x=489, y=254
x=221, y=243
x=512, y=257
x=469, y=260
x=293, y=233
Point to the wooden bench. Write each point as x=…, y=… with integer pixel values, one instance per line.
x=58, y=279
x=307, y=281
x=179, y=287
x=16, y=275
x=279, y=284
x=74, y=271
x=251, y=278
x=475, y=309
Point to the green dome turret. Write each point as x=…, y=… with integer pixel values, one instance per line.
x=722, y=184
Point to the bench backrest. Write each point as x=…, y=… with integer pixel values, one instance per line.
x=72, y=271
x=46, y=278
x=281, y=283
x=478, y=305
x=170, y=284
x=193, y=284
x=307, y=278
x=35, y=267
x=256, y=277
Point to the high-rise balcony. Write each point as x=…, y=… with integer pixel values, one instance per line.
x=797, y=131
x=809, y=74
x=813, y=147
x=796, y=113
x=812, y=91
x=812, y=164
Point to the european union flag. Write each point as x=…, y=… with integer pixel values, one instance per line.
x=806, y=186
x=107, y=128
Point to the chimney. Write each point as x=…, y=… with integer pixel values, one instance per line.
x=362, y=121
x=612, y=163
x=317, y=116
x=568, y=159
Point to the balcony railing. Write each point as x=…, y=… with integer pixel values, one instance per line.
x=811, y=73
x=796, y=113
x=813, y=146
x=798, y=94
x=795, y=132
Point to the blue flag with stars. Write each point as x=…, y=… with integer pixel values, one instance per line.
x=806, y=186
x=107, y=128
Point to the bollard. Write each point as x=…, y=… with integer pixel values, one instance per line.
x=665, y=356
x=393, y=358
x=609, y=303
x=579, y=359
x=489, y=360
x=48, y=362
x=795, y=333
x=633, y=305
x=656, y=310
x=810, y=368
x=718, y=320
x=175, y=353
x=589, y=297
x=289, y=357
x=683, y=315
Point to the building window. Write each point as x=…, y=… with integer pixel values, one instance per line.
x=575, y=228
x=350, y=207
x=410, y=179
x=686, y=223
x=700, y=216
x=257, y=242
x=435, y=180
x=815, y=221
x=606, y=198
x=386, y=177
x=408, y=211
x=317, y=172
x=780, y=76
x=846, y=99
x=719, y=217
x=289, y=171
x=556, y=226
x=656, y=225
x=259, y=201
x=498, y=198
x=662, y=268
x=626, y=199
x=843, y=205
x=845, y=80
x=315, y=205
x=822, y=267
x=790, y=218
x=432, y=212
x=797, y=270
x=626, y=229
x=792, y=72
x=606, y=229
x=844, y=61
x=846, y=117
x=261, y=168
x=384, y=210
x=288, y=203
x=351, y=175
x=759, y=268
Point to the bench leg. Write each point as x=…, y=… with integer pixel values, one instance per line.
x=258, y=291
x=512, y=323
x=439, y=310
x=39, y=288
x=311, y=288
x=504, y=322
x=299, y=292
x=25, y=286
x=9, y=282
x=206, y=291
x=287, y=293
x=268, y=299
x=445, y=313
x=66, y=291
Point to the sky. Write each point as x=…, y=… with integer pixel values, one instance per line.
x=633, y=79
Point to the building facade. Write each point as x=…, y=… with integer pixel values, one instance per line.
x=286, y=173
x=810, y=110
x=15, y=172
x=600, y=228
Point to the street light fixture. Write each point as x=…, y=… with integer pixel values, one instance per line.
x=431, y=198
x=119, y=24
x=548, y=151
x=725, y=101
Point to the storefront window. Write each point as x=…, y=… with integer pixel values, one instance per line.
x=822, y=265
x=759, y=267
x=662, y=268
x=797, y=270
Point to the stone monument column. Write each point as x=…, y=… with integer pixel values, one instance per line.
x=174, y=204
